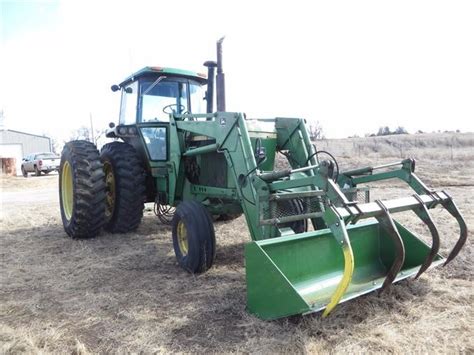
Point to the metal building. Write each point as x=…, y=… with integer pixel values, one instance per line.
x=16, y=145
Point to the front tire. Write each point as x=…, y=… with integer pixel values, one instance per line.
x=24, y=172
x=37, y=171
x=194, y=241
x=81, y=190
x=125, y=187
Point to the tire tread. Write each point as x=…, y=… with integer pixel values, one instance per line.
x=88, y=188
x=129, y=186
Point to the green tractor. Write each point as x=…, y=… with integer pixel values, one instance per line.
x=317, y=240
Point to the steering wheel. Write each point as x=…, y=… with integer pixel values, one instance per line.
x=181, y=108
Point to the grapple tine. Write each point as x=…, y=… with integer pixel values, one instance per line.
x=422, y=212
x=340, y=233
x=386, y=222
x=451, y=207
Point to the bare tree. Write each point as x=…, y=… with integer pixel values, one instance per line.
x=384, y=131
x=315, y=131
x=56, y=145
x=84, y=133
x=400, y=130
x=81, y=133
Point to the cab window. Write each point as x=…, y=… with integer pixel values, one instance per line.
x=155, y=140
x=197, y=96
x=128, y=106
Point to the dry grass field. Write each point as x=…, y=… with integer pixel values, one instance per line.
x=125, y=293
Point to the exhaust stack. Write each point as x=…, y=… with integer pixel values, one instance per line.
x=220, y=79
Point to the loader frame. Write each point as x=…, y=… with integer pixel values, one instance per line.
x=310, y=181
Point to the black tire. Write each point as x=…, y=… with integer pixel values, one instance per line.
x=296, y=207
x=83, y=211
x=24, y=172
x=37, y=171
x=46, y=172
x=126, y=201
x=200, y=237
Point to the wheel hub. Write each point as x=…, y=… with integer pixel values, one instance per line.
x=67, y=195
x=182, y=238
x=109, y=190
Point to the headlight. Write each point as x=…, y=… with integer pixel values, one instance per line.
x=122, y=130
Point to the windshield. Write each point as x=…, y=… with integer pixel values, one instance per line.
x=159, y=100
x=163, y=96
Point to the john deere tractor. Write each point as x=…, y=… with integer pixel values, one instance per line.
x=172, y=148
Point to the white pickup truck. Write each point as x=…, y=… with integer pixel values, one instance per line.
x=40, y=163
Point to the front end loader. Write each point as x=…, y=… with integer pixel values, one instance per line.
x=317, y=239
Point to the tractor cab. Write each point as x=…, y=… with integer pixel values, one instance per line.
x=153, y=93
x=148, y=97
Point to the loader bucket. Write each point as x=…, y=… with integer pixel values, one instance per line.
x=298, y=274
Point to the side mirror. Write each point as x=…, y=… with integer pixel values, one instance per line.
x=115, y=88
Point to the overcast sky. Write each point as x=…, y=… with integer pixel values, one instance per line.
x=351, y=65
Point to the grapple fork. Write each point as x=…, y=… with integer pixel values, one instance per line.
x=451, y=207
x=386, y=222
x=422, y=212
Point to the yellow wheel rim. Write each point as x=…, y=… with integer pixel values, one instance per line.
x=109, y=190
x=67, y=195
x=182, y=238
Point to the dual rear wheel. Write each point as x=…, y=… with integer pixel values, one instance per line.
x=106, y=190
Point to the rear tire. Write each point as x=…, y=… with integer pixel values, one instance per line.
x=194, y=241
x=24, y=172
x=81, y=190
x=125, y=187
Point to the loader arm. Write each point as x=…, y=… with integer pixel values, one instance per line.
x=230, y=137
x=254, y=187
